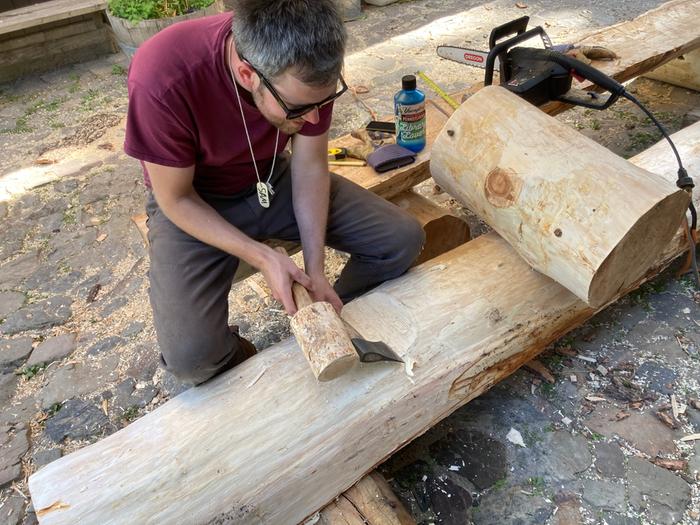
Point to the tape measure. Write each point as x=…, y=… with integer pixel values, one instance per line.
x=337, y=153
x=444, y=96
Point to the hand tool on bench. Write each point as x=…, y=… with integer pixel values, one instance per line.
x=330, y=344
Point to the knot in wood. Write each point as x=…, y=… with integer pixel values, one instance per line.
x=502, y=187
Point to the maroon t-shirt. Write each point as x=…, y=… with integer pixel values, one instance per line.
x=183, y=109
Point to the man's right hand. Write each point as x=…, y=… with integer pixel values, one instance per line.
x=280, y=272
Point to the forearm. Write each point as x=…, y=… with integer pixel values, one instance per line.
x=197, y=218
x=311, y=198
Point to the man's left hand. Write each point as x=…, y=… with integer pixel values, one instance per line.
x=321, y=290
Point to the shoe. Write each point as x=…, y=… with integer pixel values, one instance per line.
x=246, y=349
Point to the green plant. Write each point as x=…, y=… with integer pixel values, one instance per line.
x=536, y=485
x=130, y=413
x=53, y=409
x=29, y=372
x=137, y=10
x=118, y=69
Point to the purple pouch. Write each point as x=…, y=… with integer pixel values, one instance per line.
x=391, y=156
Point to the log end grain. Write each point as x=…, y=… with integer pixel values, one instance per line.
x=637, y=251
x=324, y=341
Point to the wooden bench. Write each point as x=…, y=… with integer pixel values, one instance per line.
x=43, y=36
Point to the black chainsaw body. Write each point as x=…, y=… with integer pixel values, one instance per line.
x=543, y=75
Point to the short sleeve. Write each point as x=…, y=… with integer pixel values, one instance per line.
x=159, y=129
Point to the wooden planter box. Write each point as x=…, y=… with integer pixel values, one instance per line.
x=130, y=36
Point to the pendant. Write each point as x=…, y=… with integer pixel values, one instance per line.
x=263, y=194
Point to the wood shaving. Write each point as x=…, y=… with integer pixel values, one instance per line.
x=409, y=363
x=262, y=372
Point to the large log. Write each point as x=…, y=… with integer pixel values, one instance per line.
x=267, y=443
x=572, y=209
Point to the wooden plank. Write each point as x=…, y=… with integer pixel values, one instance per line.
x=281, y=464
x=52, y=54
x=643, y=44
x=44, y=13
x=53, y=32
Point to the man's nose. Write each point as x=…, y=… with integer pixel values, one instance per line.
x=312, y=117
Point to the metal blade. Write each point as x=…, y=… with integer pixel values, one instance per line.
x=470, y=57
x=373, y=351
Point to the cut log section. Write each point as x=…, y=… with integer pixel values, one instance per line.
x=369, y=502
x=277, y=447
x=572, y=209
x=683, y=71
x=443, y=230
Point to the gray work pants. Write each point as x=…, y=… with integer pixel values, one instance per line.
x=190, y=280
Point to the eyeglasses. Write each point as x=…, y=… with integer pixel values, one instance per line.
x=300, y=111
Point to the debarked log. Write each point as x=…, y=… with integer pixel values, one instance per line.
x=575, y=211
x=267, y=443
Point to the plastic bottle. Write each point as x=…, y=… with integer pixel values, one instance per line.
x=409, y=111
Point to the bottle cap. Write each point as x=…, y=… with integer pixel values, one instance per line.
x=408, y=82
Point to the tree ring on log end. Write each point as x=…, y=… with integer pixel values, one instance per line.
x=502, y=187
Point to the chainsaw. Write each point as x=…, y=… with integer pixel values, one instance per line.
x=538, y=75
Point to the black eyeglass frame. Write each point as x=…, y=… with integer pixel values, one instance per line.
x=295, y=113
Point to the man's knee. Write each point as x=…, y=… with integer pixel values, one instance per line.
x=195, y=361
x=409, y=238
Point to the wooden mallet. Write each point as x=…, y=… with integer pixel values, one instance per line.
x=321, y=334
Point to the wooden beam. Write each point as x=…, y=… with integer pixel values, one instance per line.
x=370, y=501
x=468, y=318
x=47, y=12
x=645, y=43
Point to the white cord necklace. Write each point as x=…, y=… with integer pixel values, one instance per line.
x=264, y=189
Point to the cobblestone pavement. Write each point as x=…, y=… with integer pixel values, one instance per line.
x=78, y=357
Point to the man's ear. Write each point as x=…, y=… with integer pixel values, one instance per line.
x=247, y=77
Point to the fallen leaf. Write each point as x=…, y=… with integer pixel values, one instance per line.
x=516, y=438
x=539, y=368
x=636, y=405
x=520, y=5
x=361, y=90
x=107, y=145
x=695, y=403
x=101, y=237
x=44, y=162
x=667, y=420
x=595, y=399
x=621, y=415
x=567, y=351
x=670, y=464
x=92, y=294
x=105, y=406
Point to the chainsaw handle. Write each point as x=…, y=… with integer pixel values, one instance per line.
x=590, y=73
x=501, y=48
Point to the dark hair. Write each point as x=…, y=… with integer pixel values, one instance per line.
x=276, y=35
